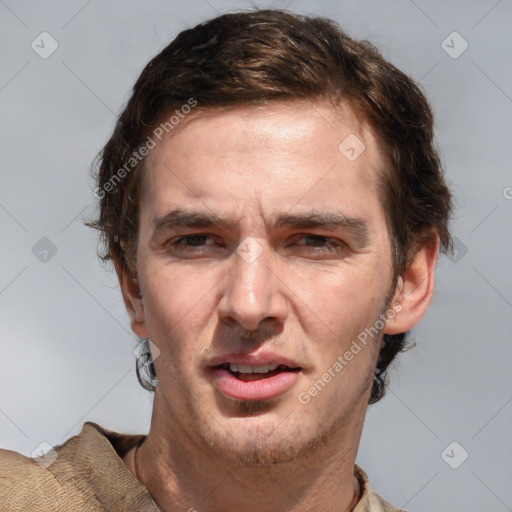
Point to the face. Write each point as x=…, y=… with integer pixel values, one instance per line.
x=263, y=254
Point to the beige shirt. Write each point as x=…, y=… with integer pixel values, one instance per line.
x=87, y=474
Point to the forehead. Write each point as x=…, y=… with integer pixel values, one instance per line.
x=276, y=156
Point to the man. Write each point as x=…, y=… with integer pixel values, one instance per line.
x=274, y=208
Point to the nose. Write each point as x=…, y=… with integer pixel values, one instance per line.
x=254, y=295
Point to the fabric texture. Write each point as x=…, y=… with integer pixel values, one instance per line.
x=87, y=474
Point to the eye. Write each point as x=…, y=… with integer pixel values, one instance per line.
x=196, y=246
x=195, y=240
x=318, y=244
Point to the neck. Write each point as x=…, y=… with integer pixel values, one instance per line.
x=180, y=475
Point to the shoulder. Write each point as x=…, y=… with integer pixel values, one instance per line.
x=370, y=501
x=26, y=484
x=85, y=473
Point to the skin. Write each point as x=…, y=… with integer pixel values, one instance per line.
x=307, y=296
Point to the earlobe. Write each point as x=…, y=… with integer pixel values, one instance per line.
x=132, y=298
x=414, y=289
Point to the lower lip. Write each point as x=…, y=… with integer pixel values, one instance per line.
x=262, y=389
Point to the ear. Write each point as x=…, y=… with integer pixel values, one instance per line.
x=415, y=288
x=132, y=298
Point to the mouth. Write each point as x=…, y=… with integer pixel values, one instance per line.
x=254, y=380
x=248, y=373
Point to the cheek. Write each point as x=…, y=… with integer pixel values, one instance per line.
x=342, y=351
x=179, y=312
x=343, y=300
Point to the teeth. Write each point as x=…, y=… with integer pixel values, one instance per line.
x=262, y=368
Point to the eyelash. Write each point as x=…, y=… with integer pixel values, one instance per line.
x=331, y=244
x=188, y=237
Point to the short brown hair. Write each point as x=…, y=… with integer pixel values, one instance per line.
x=263, y=56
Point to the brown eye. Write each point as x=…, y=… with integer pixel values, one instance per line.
x=192, y=240
x=320, y=241
x=196, y=245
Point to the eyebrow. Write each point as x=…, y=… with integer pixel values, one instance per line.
x=330, y=221
x=179, y=217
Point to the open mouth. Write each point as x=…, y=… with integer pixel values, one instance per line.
x=257, y=377
x=250, y=373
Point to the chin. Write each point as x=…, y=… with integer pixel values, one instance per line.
x=264, y=452
x=266, y=439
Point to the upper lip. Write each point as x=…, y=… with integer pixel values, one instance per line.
x=254, y=359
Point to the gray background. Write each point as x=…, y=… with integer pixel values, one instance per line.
x=66, y=350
